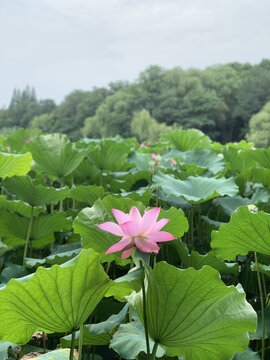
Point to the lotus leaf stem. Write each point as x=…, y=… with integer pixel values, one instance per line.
x=262, y=304
x=144, y=312
x=28, y=235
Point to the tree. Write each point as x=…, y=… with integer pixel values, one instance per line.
x=70, y=115
x=43, y=122
x=259, y=126
x=146, y=128
x=23, y=107
x=253, y=94
x=113, y=117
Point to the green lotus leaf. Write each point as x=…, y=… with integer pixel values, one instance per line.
x=258, y=334
x=13, y=164
x=88, y=194
x=87, y=220
x=260, y=175
x=4, y=345
x=194, y=314
x=237, y=161
x=60, y=354
x=55, y=155
x=197, y=261
x=229, y=204
x=20, y=206
x=109, y=154
x=127, y=181
x=13, y=271
x=129, y=340
x=125, y=285
x=143, y=195
x=188, y=139
x=35, y=195
x=141, y=161
x=58, y=258
x=172, y=200
x=246, y=231
x=195, y=189
x=13, y=228
x=247, y=355
x=202, y=158
x=20, y=138
x=178, y=223
x=58, y=299
x=86, y=173
x=4, y=248
x=98, y=334
x=261, y=156
x=264, y=269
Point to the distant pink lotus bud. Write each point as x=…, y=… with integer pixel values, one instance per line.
x=144, y=146
x=173, y=162
x=254, y=148
x=26, y=140
x=8, y=148
x=235, y=143
x=138, y=231
x=215, y=200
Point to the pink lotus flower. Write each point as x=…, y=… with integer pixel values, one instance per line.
x=8, y=148
x=173, y=162
x=26, y=140
x=138, y=231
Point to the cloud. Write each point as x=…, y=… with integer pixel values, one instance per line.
x=59, y=45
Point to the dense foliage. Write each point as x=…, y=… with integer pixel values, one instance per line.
x=218, y=100
x=203, y=295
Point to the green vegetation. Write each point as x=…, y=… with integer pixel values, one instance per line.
x=259, y=125
x=125, y=251
x=219, y=100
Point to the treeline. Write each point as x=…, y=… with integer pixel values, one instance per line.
x=219, y=100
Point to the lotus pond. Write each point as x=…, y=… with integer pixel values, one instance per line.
x=112, y=249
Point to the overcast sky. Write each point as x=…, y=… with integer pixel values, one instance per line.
x=61, y=45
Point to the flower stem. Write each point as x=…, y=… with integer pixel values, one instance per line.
x=72, y=346
x=144, y=312
x=44, y=342
x=28, y=235
x=80, y=342
x=153, y=355
x=262, y=304
x=61, y=201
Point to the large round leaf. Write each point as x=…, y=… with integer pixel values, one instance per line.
x=88, y=194
x=109, y=154
x=35, y=195
x=58, y=299
x=202, y=158
x=19, y=138
x=55, y=154
x=11, y=164
x=188, y=139
x=193, y=314
x=21, y=207
x=197, y=260
x=246, y=231
x=98, y=334
x=195, y=189
x=129, y=340
x=13, y=228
